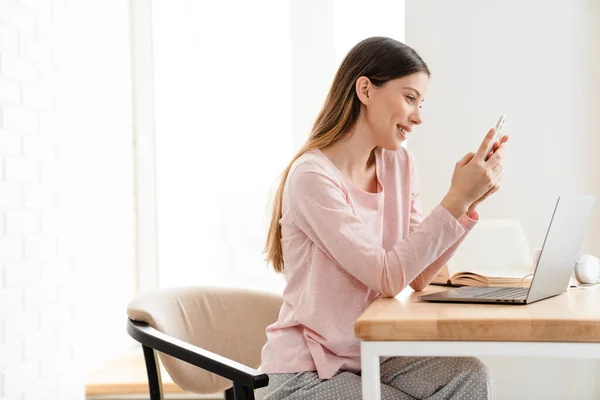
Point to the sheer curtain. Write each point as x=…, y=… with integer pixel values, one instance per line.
x=223, y=135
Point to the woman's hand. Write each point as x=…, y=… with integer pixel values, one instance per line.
x=471, y=210
x=494, y=188
x=475, y=176
x=503, y=140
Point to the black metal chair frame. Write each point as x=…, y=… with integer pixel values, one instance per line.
x=244, y=378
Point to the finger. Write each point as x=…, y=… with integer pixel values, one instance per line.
x=497, y=173
x=497, y=169
x=495, y=147
x=497, y=156
x=486, y=145
x=465, y=160
x=486, y=195
x=490, y=192
x=493, y=189
x=497, y=144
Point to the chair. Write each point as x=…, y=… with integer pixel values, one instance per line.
x=206, y=338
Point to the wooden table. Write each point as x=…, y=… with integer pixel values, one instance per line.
x=566, y=326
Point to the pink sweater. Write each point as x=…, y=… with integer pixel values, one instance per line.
x=343, y=247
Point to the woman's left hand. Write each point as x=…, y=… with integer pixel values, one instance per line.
x=474, y=205
x=494, y=188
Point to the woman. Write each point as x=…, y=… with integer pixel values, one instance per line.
x=347, y=227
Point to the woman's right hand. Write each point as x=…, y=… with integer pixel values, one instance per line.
x=474, y=175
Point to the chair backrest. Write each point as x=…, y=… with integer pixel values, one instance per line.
x=226, y=321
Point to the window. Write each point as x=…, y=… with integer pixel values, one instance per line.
x=223, y=134
x=236, y=88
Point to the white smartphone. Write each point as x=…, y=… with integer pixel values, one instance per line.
x=499, y=126
x=499, y=133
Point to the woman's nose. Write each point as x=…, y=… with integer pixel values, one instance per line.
x=416, y=118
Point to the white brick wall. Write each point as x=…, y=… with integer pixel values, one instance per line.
x=67, y=240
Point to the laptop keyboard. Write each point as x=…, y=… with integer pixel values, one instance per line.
x=500, y=293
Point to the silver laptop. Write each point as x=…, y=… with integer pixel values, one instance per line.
x=554, y=267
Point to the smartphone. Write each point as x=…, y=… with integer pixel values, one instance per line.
x=499, y=126
x=499, y=133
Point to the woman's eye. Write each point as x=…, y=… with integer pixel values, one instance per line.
x=410, y=99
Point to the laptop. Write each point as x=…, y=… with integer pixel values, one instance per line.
x=554, y=267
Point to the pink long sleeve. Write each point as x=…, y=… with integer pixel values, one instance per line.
x=416, y=218
x=343, y=247
x=321, y=211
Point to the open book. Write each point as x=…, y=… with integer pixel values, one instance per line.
x=494, y=253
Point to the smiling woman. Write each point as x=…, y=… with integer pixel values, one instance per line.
x=347, y=227
x=370, y=73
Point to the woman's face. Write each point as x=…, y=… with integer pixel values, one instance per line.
x=393, y=109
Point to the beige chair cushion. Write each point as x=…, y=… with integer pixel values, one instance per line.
x=229, y=322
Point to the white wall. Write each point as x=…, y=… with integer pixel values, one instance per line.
x=334, y=27
x=537, y=61
x=66, y=192
x=104, y=276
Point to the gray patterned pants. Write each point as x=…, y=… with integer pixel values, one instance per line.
x=402, y=378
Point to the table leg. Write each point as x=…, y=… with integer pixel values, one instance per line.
x=372, y=350
x=371, y=382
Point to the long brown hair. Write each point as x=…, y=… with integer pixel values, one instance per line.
x=380, y=59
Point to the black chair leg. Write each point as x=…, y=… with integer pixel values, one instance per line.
x=228, y=395
x=242, y=392
x=153, y=370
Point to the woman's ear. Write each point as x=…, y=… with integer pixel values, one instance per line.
x=363, y=89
